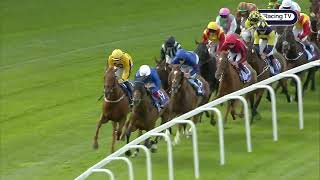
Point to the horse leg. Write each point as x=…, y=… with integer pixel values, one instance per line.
x=313, y=80
x=120, y=128
x=277, y=87
x=310, y=77
x=233, y=109
x=212, y=120
x=177, y=137
x=128, y=134
x=256, y=104
x=124, y=130
x=136, y=152
x=284, y=85
x=227, y=112
x=114, y=132
x=95, y=139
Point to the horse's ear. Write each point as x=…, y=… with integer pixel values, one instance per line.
x=156, y=60
x=197, y=42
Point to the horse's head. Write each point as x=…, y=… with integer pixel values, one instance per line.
x=110, y=82
x=246, y=35
x=289, y=42
x=221, y=65
x=162, y=66
x=203, y=53
x=138, y=92
x=176, y=80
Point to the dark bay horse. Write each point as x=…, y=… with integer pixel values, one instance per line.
x=207, y=66
x=294, y=55
x=144, y=114
x=230, y=82
x=115, y=107
x=163, y=70
x=184, y=98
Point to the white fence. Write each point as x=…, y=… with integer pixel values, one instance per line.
x=207, y=107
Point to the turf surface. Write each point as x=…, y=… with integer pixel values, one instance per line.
x=53, y=55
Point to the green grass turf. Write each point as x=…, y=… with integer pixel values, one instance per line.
x=53, y=55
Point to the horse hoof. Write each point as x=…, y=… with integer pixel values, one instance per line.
x=95, y=145
x=135, y=154
x=213, y=122
x=241, y=115
x=154, y=148
x=128, y=153
x=257, y=116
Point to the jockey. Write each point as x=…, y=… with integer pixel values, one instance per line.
x=152, y=82
x=301, y=31
x=244, y=9
x=123, y=62
x=227, y=21
x=264, y=42
x=188, y=62
x=289, y=4
x=237, y=55
x=253, y=19
x=215, y=34
x=169, y=49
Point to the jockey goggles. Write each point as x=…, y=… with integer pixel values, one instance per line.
x=224, y=16
x=255, y=19
x=286, y=7
x=231, y=45
x=262, y=31
x=212, y=31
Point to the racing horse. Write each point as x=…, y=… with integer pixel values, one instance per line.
x=144, y=114
x=183, y=97
x=230, y=82
x=115, y=107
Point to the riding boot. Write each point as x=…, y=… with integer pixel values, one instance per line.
x=156, y=98
x=276, y=69
x=309, y=48
x=198, y=86
x=243, y=76
x=127, y=89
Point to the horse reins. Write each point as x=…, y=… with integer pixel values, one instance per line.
x=265, y=68
x=113, y=101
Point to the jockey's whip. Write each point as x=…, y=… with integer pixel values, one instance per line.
x=99, y=99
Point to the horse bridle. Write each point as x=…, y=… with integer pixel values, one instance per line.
x=286, y=43
x=175, y=87
x=135, y=100
x=111, y=92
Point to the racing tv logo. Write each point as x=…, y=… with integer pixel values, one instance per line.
x=279, y=17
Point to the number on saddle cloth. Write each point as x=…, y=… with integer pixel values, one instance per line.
x=274, y=68
x=164, y=98
x=245, y=73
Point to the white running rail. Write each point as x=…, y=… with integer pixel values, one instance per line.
x=208, y=107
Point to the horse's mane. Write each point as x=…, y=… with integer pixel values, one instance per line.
x=202, y=51
x=139, y=86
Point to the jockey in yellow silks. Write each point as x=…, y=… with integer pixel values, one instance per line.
x=123, y=62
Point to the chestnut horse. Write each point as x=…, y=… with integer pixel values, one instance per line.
x=230, y=82
x=184, y=98
x=115, y=107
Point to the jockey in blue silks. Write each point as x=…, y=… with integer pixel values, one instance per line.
x=152, y=82
x=188, y=62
